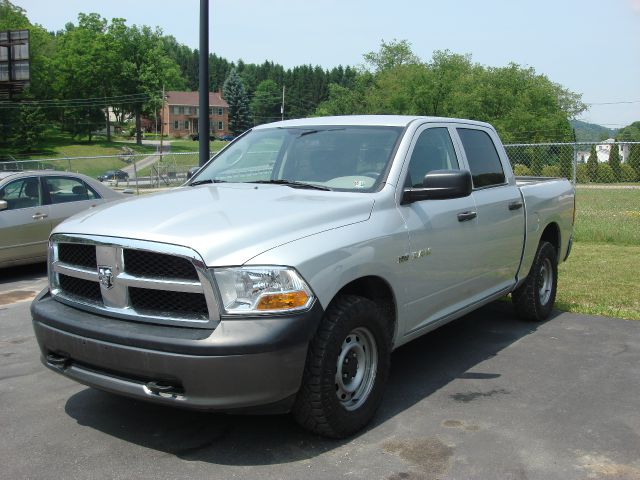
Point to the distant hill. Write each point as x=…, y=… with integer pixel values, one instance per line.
x=591, y=132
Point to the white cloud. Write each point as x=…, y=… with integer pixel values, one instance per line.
x=635, y=5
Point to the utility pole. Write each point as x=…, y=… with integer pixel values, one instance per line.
x=162, y=122
x=203, y=116
x=282, y=106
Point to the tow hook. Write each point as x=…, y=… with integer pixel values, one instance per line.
x=164, y=389
x=58, y=361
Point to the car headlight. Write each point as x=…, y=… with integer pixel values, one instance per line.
x=258, y=290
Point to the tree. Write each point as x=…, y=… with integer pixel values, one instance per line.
x=592, y=165
x=29, y=128
x=236, y=96
x=391, y=55
x=537, y=162
x=634, y=158
x=614, y=163
x=266, y=102
x=566, y=161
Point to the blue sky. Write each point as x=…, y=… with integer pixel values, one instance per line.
x=591, y=47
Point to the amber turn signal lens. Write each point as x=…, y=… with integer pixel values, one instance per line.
x=282, y=301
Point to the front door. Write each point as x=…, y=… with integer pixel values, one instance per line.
x=438, y=275
x=25, y=225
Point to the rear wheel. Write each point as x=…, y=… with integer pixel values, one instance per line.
x=346, y=369
x=534, y=299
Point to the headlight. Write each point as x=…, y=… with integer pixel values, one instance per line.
x=262, y=290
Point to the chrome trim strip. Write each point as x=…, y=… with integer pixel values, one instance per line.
x=76, y=272
x=110, y=253
x=159, y=284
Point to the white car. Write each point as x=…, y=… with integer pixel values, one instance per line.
x=32, y=203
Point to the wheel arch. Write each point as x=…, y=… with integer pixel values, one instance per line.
x=551, y=234
x=379, y=291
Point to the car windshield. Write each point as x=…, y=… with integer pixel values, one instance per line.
x=345, y=158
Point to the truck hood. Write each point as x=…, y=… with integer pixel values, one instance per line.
x=225, y=224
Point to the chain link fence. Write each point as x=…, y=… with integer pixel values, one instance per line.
x=150, y=170
x=589, y=162
x=583, y=163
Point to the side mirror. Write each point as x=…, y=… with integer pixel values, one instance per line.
x=3, y=205
x=440, y=185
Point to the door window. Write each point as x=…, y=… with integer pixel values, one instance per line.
x=22, y=193
x=484, y=162
x=66, y=189
x=433, y=151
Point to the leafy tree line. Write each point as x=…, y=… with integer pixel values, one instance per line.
x=95, y=58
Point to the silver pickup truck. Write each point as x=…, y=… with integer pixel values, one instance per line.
x=283, y=274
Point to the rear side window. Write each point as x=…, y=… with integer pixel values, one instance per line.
x=484, y=162
x=65, y=189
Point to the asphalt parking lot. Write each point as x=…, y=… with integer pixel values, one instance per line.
x=486, y=397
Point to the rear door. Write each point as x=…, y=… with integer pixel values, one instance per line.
x=25, y=225
x=439, y=280
x=500, y=210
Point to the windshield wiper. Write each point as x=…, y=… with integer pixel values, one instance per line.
x=208, y=180
x=293, y=184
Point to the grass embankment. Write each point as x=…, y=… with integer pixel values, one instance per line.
x=602, y=275
x=184, y=162
x=63, y=146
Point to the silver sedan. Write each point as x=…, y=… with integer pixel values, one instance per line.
x=33, y=202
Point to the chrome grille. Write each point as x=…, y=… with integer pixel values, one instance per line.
x=132, y=279
x=144, y=300
x=82, y=289
x=151, y=264
x=77, y=254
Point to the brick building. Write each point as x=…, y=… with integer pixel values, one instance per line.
x=180, y=114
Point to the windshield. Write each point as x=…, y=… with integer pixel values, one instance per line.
x=345, y=158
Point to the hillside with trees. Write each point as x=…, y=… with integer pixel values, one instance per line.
x=591, y=132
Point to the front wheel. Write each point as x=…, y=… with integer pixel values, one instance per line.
x=347, y=367
x=534, y=299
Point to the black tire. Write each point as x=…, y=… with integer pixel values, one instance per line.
x=534, y=299
x=318, y=407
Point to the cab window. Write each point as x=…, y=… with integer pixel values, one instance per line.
x=433, y=151
x=484, y=162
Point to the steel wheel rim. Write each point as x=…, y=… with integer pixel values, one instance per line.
x=356, y=368
x=545, y=281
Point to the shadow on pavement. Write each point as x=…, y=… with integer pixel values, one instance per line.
x=419, y=369
x=23, y=272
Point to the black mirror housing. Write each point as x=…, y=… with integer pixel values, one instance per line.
x=441, y=185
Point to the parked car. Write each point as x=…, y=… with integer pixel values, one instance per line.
x=33, y=203
x=282, y=276
x=114, y=175
x=196, y=136
x=226, y=138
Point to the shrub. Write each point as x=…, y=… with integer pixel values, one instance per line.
x=628, y=173
x=551, y=171
x=521, y=170
x=605, y=174
x=582, y=175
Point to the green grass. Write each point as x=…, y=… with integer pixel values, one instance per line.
x=608, y=216
x=601, y=279
x=602, y=275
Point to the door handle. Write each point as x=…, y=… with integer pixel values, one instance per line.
x=515, y=205
x=39, y=216
x=466, y=216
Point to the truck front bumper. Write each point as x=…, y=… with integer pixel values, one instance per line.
x=252, y=363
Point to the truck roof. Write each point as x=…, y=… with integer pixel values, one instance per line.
x=368, y=120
